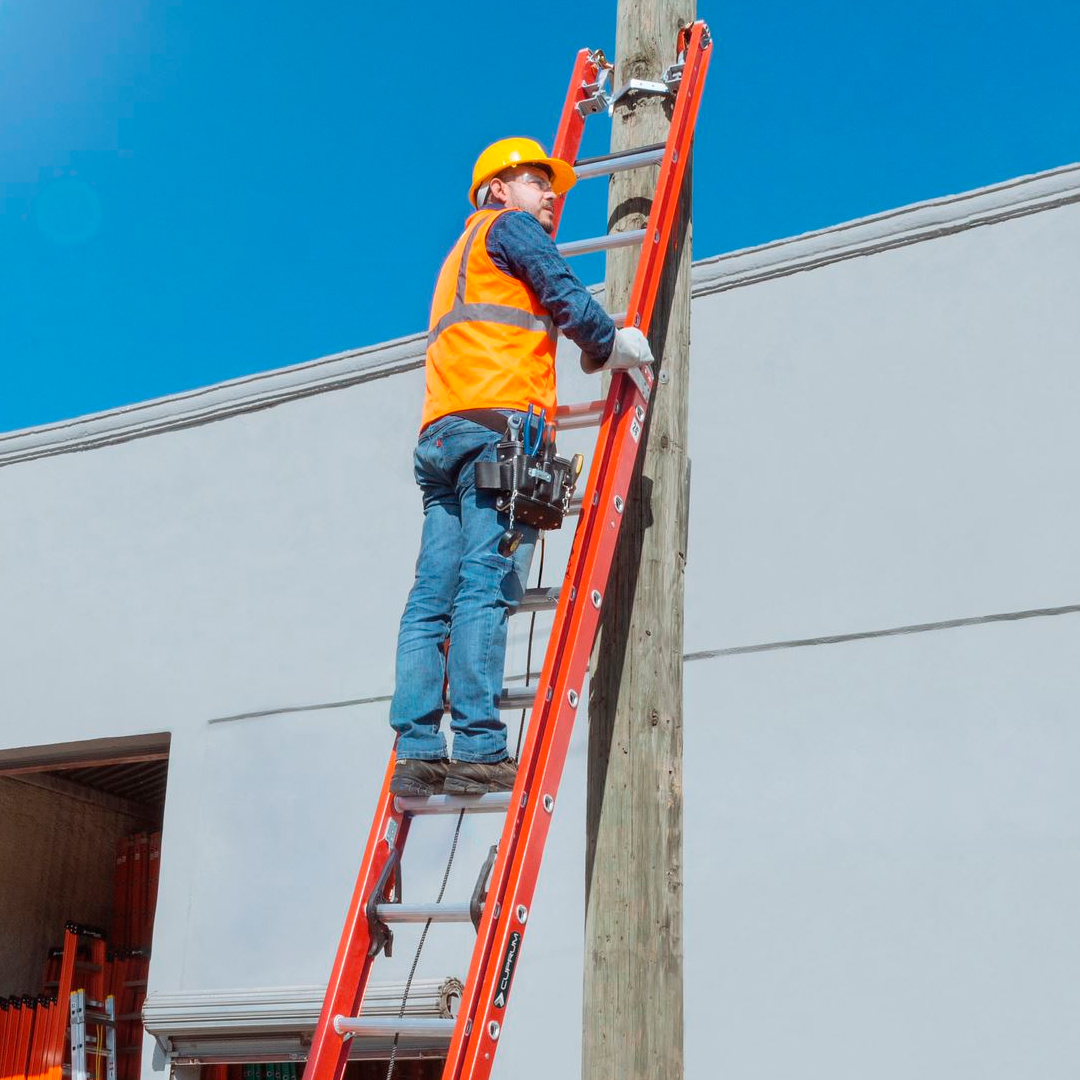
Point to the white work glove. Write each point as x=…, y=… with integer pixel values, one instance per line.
x=630, y=350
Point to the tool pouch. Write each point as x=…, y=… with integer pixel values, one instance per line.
x=539, y=484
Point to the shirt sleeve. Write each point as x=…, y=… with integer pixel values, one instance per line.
x=518, y=245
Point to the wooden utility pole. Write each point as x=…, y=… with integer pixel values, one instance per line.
x=633, y=1009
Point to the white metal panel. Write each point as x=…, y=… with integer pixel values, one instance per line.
x=889, y=440
x=883, y=857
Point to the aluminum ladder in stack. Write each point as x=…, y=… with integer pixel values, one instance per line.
x=503, y=913
x=102, y=1015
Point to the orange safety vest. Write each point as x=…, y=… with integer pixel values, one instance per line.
x=491, y=343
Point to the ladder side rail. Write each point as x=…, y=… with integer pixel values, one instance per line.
x=574, y=604
x=566, y=146
x=571, y=122
x=4, y=1015
x=329, y=1050
x=643, y=292
x=110, y=1038
x=527, y=827
x=99, y=955
x=13, y=1011
x=53, y=1045
x=52, y=1048
x=15, y=1007
x=25, y=1034
x=41, y=1010
x=78, y=1034
x=352, y=964
x=572, y=636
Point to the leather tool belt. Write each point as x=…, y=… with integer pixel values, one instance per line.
x=533, y=484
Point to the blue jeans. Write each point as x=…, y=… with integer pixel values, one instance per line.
x=464, y=590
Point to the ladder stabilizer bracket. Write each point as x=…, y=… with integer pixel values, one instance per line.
x=597, y=98
x=644, y=86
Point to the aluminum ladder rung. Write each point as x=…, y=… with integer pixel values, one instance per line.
x=495, y=802
x=512, y=698
x=420, y=913
x=517, y=697
x=388, y=1027
x=619, y=161
x=545, y=599
x=602, y=243
x=581, y=414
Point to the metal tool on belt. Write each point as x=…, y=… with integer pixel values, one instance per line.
x=533, y=483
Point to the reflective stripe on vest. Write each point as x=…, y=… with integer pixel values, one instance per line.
x=491, y=343
x=494, y=313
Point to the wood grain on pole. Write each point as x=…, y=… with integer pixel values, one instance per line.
x=633, y=1002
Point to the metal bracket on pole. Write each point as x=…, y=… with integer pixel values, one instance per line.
x=673, y=76
x=637, y=86
x=668, y=84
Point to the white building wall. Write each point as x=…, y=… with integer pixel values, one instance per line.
x=881, y=867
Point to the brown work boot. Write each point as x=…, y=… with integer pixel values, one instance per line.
x=415, y=776
x=479, y=777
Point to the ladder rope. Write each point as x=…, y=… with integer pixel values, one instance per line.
x=420, y=945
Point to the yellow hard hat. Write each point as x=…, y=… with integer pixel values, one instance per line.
x=509, y=152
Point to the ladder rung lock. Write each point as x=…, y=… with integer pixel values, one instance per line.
x=602, y=243
x=495, y=802
x=420, y=913
x=620, y=161
x=388, y=1027
x=545, y=599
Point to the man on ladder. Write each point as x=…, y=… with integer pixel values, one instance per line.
x=501, y=296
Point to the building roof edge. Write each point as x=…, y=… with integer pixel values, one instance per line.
x=853, y=239
x=905, y=225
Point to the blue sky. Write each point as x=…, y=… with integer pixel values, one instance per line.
x=192, y=192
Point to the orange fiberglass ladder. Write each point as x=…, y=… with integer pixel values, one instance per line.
x=376, y=901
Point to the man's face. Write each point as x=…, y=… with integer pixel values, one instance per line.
x=528, y=188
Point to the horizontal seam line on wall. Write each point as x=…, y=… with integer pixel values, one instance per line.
x=737, y=650
x=894, y=631
x=299, y=708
